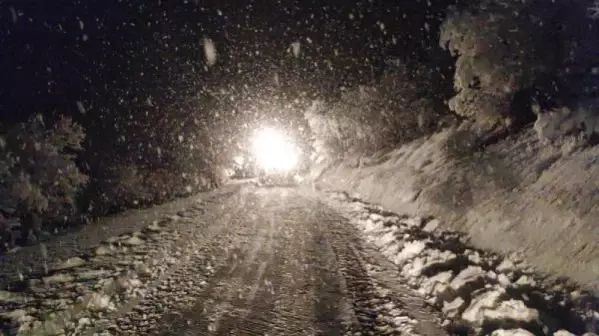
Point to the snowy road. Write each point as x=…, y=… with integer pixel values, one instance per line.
x=279, y=261
x=284, y=264
x=256, y=261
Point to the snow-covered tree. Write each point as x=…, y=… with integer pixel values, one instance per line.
x=402, y=104
x=516, y=47
x=40, y=179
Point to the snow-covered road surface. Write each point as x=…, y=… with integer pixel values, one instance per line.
x=256, y=261
x=278, y=261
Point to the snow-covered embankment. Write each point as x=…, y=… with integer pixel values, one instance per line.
x=476, y=291
x=519, y=195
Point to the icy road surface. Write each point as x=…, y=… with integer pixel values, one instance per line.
x=245, y=260
x=254, y=261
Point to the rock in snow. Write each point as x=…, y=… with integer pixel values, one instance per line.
x=513, y=310
x=452, y=309
x=469, y=277
x=506, y=266
x=432, y=225
x=480, y=304
x=409, y=251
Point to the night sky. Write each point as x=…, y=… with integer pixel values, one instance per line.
x=106, y=53
x=119, y=67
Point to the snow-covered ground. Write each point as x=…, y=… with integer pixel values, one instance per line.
x=77, y=282
x=518, y=195
x=476, y=291
x=82, y=291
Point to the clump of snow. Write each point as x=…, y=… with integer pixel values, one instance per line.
x=506, y=266
x=512, y=332
x=475, y=312
x=452, y=309
x=100, y=302
x=104, y=250
x=154, y=227
x=409, y=251
x=514, y=310
x=557, y=123
x=432, y=225
x=58, y=278
x=134, y=241
x=469, y=276
x=436, y=284
x=15, y=314
x=92, y=274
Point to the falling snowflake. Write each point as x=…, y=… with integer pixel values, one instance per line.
x=209, y=51
x=81, y=107
x=13, y=14
x=295, y=48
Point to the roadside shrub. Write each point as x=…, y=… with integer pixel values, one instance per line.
x=124, y=186
x=320, y=125
x=166, y=184
x=121, y=187
x=414, y=95
x=358, y=121
x=401, y=106
x=40, y=179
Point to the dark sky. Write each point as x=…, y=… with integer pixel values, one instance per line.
x=114, y=55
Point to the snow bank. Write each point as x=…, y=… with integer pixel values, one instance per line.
x=479, y=293
x=520, y=195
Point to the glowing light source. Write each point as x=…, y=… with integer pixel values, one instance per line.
x=273, y=151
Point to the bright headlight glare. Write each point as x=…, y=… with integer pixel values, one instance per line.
x=274, y=151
